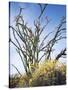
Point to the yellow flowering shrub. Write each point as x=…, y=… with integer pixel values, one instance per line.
x=49, y=73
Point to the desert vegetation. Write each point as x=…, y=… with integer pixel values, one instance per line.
x=29, y=46
x=49, y=73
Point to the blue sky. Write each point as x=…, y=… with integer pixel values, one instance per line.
x=31, y=12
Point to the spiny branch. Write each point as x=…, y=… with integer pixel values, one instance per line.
x=62, y=53
x=17, y=70
x=42, y=10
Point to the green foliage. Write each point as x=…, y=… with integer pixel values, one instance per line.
x=49, y=73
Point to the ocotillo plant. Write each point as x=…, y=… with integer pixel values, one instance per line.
x=28, y=43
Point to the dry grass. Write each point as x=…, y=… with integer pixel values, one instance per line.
x=48, y=73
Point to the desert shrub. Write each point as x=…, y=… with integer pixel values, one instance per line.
x=19, y=81
x=23, y=81
x=13, y=81
x=49, y=73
